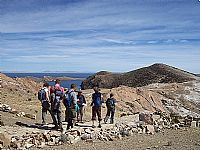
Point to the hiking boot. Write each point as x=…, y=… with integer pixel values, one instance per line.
x=111, y=121
x=44, y=123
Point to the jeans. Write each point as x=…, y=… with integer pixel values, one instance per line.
x=57, y=117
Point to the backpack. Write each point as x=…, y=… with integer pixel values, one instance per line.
x=68, y=101
x=58, y=95
x=110, y=103
x=97, y=99
x=42, y=94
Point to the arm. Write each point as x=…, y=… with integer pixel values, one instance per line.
x=74, y=98
x=92, y=100
x=84, y=101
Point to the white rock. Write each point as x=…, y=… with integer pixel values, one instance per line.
x=28, y=145
x=150, y=129
x=193, y=124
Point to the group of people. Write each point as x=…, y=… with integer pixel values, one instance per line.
x=74, y=101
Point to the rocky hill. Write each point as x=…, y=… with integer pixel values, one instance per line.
x=156, y=73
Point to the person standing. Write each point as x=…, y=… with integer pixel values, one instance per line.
x=96, y=106
x=43, y=96
x=56, y=98
x=110, y=104
x=71, y=107
x=81, y=103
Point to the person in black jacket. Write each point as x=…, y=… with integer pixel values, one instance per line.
x=110, y=104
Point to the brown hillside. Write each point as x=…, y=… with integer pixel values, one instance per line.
x=157, y=73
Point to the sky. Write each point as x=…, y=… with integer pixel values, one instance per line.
x=94, y=35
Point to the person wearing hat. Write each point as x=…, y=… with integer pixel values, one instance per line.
x=81, y=103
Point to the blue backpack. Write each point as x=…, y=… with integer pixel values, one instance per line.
x=97, y=99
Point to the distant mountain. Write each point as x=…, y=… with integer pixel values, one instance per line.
x=156, y=73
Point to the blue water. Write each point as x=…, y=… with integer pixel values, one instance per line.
x=41, y=75
x=64, y=83
x=67, y=83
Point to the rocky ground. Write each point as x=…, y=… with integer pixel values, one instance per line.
x=186, y=139
x=21, y=117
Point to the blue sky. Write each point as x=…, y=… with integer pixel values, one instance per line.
x=93, y=35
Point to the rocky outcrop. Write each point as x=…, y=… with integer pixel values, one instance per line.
x=157, y=73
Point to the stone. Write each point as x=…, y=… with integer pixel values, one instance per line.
x=14, y=111
x=88, y=131
x=175, y=126
x=65, y=138
x=89, y=140
x=27, y=145
x=42, y=145
x=31, y=116
x=150, y=129
x=193, y=124
x=146, y=117
x=75, y=140
x=85, y=136
x=51, y=143
x=155, y=117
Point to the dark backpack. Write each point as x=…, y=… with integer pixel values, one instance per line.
x=41, y=94
x=110, y=103
x=97, y=99
x=57, y=96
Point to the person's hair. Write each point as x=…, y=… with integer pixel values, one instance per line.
x=111, y=95
x=96, y=89
x=73, y=86
x=46, y=84
x=57, y=81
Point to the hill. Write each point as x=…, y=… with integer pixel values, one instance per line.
x=156, y=73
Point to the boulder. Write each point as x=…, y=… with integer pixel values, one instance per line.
x=146, y=117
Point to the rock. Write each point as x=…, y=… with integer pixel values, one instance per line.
x=155, y=117
x=89, y=140
x=193, y=124
x=1, y=123
x=28, y=145
x=150, y=129
x=42, y=145
x=31, y=116
x=75, y=140
x=146, y=117
x=5, y=140
x=51, y=143
x=14, y=111
x=175, y=126
x=88, y=131
x=65, y=138
x=85, y=136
